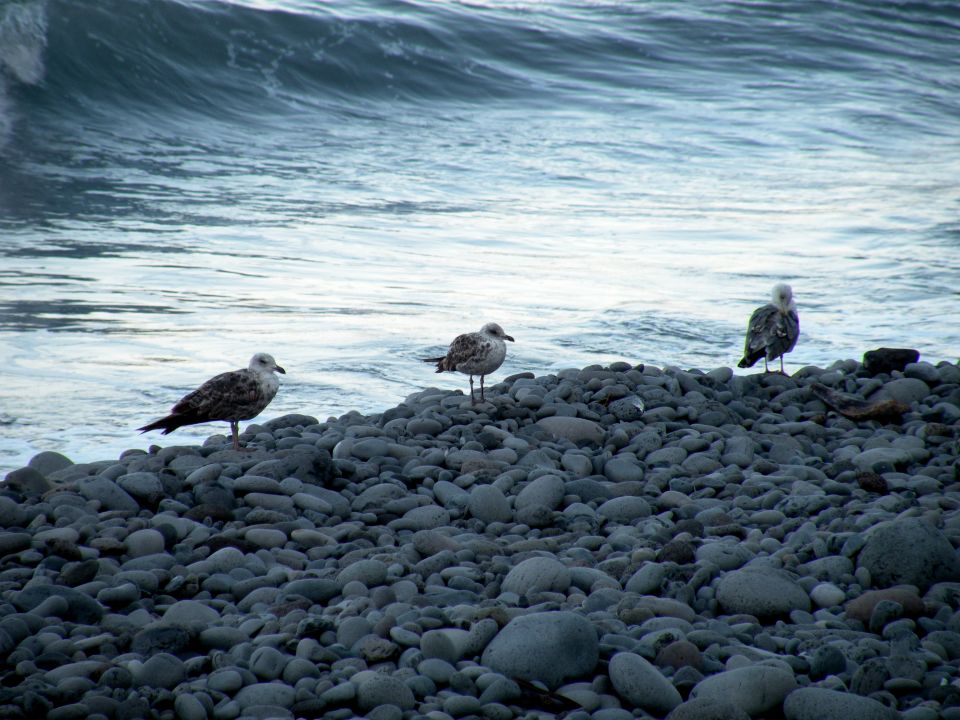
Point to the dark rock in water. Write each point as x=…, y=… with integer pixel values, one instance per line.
x=909, y=552
x=886, y=360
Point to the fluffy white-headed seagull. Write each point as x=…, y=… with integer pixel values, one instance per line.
x=773, y=329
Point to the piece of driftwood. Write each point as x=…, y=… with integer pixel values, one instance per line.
x=857, y=408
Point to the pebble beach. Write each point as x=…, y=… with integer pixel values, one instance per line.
x=604, y=543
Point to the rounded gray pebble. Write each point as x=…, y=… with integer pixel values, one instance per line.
x=545, y=646
x=814, y=703
x=488, y=503
x=761, y=591
x=641, y=684
x=381, y=689
x=537, y=574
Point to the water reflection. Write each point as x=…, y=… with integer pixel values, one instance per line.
x=63, y=315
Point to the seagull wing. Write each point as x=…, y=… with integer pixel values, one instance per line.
x=227, y=396
x=467, y=349
x=760, y=330
x=783, y=335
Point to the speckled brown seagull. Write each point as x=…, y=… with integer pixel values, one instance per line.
x=476, y=353
x=231, y=396
x=773, y=330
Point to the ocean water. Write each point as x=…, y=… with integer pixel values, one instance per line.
x=348, y=185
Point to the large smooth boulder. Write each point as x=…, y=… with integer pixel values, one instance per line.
x=815, y=703
x=537, y=574
x=755, y=689
x=762, y=592
x=909, y=551
x=641, y=685
x=545, y=646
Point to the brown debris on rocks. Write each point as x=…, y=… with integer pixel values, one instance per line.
x=856, y=408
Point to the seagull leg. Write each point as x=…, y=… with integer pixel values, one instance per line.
x=766, y=368
x=473, y=400
x=782, y=372
x=235, y=431
x=482, y=398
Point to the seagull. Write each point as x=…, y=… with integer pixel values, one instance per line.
x=231, y=396
x=773, y=330
x=476, y=353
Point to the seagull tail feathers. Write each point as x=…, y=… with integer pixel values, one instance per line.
x=439, y=362
x=167, y=424
x=750, y=360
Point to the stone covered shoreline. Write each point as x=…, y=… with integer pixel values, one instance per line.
x=610, y=543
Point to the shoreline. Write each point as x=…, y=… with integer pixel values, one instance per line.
x=634, y=541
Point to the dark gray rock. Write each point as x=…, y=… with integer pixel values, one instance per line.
x=816, y=703
x=756, y=689
x=375, y=689
x=827, y=660
x=106, y=492
x=708, y=709
x=28, y=482
x=886, y=360
x=159, y=638
x=909, y=551
x=80, y=607
x=48, y=462
x=537, y=574
x=573, y=429
x=762, y=592
x=641, y=684
x=545, y=646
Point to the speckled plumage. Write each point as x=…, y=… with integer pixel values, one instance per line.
x=477, y=353
x=231, y=396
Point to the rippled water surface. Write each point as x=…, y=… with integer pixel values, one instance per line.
x=350, y=185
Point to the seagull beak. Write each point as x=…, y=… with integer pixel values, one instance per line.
x=279, y=369
x=507, y=337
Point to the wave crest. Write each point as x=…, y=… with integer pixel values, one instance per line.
x=23, y=39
